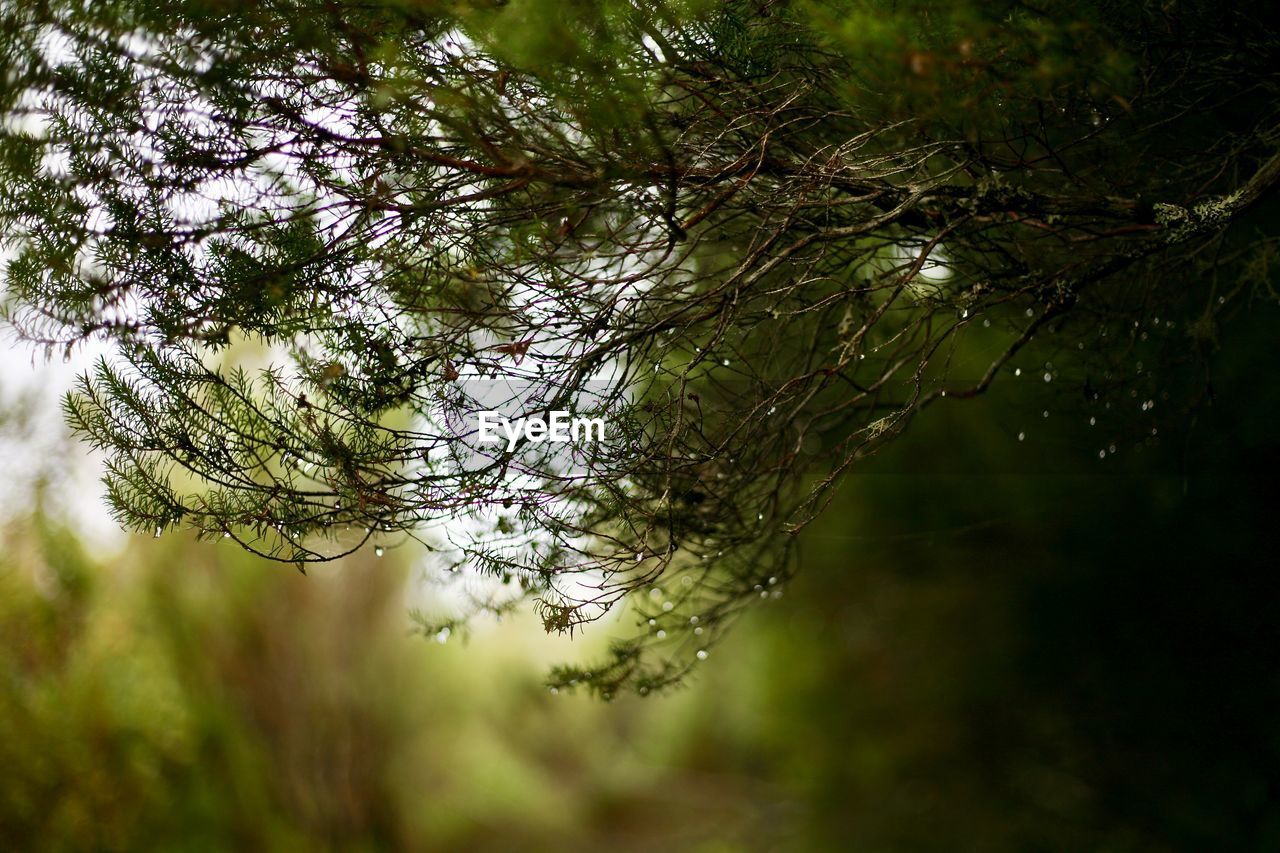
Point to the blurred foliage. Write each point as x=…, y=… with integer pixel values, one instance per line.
x=996, y=645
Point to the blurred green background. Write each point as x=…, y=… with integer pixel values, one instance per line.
x=992, y=644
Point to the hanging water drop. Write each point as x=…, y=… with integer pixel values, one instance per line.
x=379, y=551
x=702, y=654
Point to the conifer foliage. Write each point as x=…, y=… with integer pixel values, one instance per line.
x=761, y=235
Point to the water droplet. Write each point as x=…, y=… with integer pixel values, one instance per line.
x=553, y=690
x=653, y=622
x=986, y=324
x=1017, y=371
x=226, y=534
x=726, y=362
x=655, y=593
x=661, y=635
x=1093, y=421
x=1030, y=313
x=158, y=532
x=442, y=636
x=1048, y=377
x=667, y=606
x=693, y=620
x=702, y=654
x=1102, y=454
x=1111, y=449
x=1022, y=436
x=1046, y=413
x=379, y=551
x=697, y=632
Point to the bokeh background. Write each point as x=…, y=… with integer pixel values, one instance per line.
x=992, y=644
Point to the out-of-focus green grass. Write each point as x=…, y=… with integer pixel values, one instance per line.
x=185, y=696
